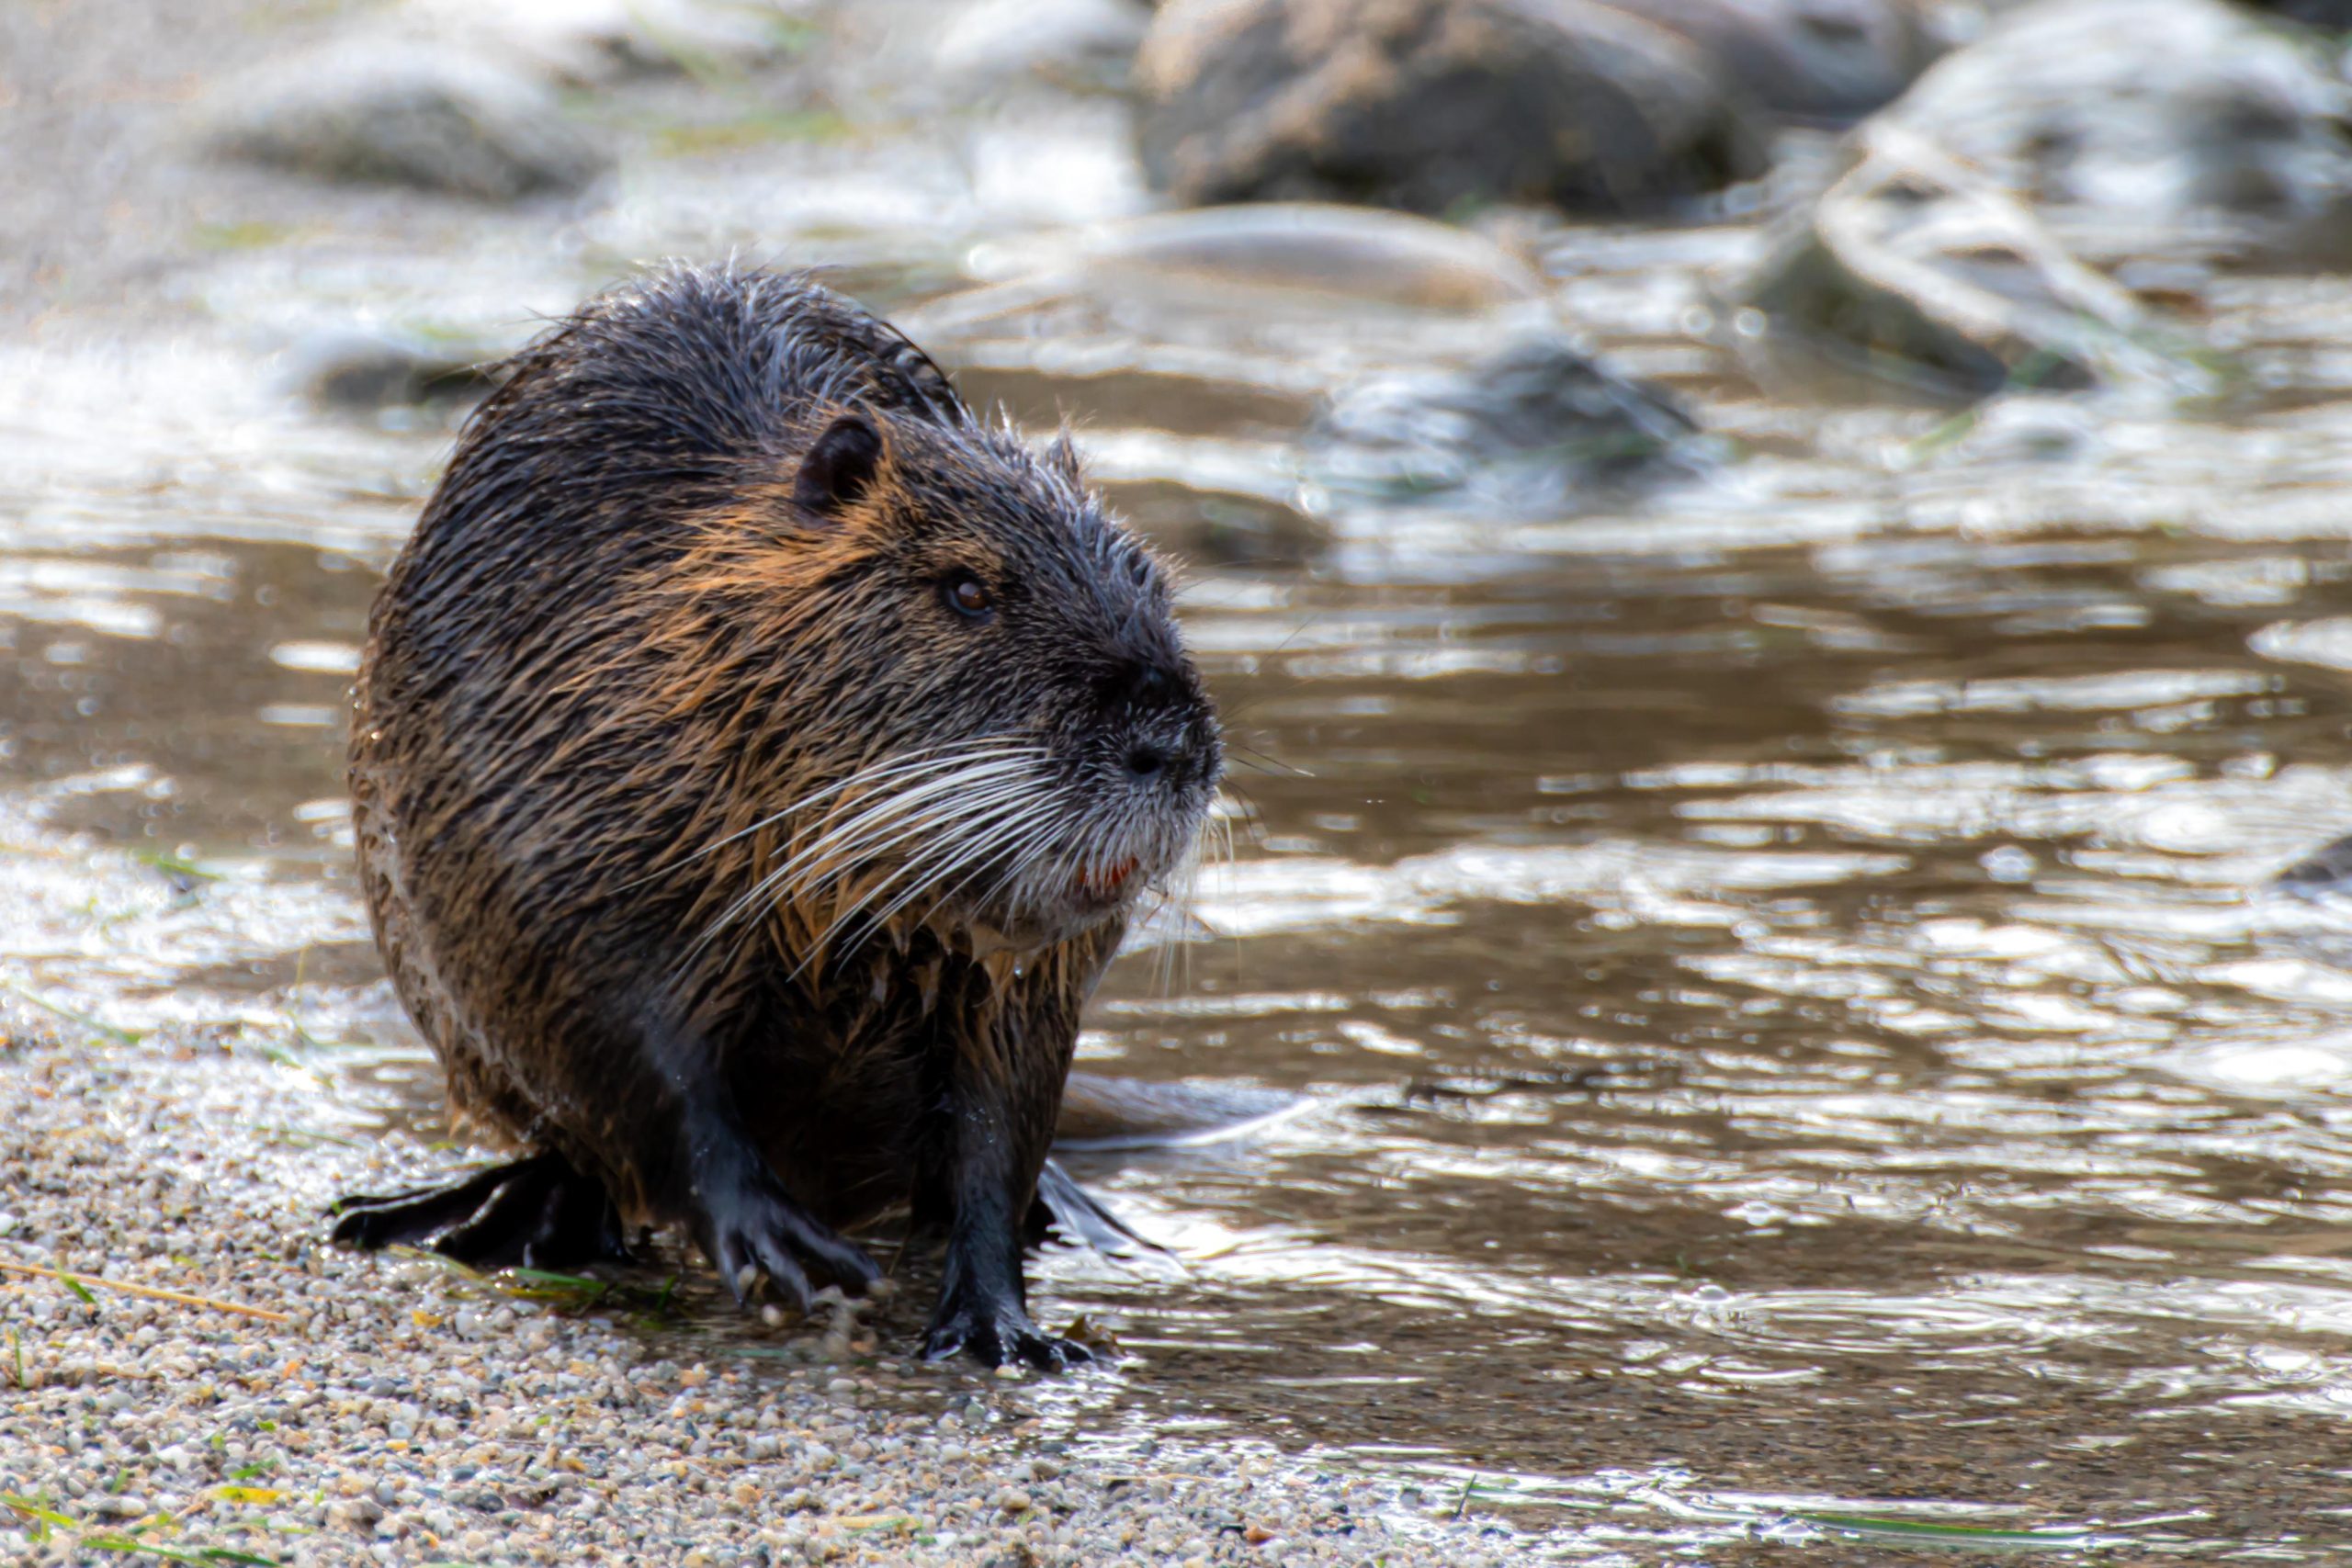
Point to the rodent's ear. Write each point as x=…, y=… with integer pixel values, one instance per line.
x=841, y=464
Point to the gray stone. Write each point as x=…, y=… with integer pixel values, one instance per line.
x=1309, y=248
x=1429, y=105
x=390, y=111
x=1809, y=60
x=1081, y=45
x=2181, y=129
x=2322, y=877
x=2307, y=909
x=358, y=368
x=1911, y=267
x=1532, y=427
x=594, y=42
x=2333, y=15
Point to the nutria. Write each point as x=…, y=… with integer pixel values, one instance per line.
x=756, y=759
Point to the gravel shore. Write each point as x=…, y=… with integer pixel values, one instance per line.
x=397, y=1412
x=394, y=1410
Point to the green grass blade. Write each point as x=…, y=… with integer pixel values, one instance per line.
x=33, y=1510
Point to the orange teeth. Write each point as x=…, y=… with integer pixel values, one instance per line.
x=1107, y=883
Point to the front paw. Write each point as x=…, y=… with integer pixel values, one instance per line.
x=751, y=1226
x=995, y=1333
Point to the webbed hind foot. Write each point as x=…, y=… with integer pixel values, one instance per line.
x=538, y=1213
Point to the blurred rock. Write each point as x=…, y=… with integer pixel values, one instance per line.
x=1911, y=267
x=1201, y=345
x=356, y=368
x=2325, y=877
x=1431, y=105
x=1316, y=250
x=2169, y=128
x=2022, y=427
x=1819, y=60
x=2333, y=15
x=2308, y=907
x=591, y=42
x=1081, y=45
x=390, y=111
x=1204, y=527
x=1530, y=428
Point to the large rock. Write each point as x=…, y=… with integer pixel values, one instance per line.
x=1532, y=427
x=1429, y=105
x=594, y=42
x=392, y=111
x=2334, y=15
x=2182, y=130
x=1818, y=61
x=370, y=368
x=1911, y=267
x=2308, y=907
x=2322, y=877
x=1080, y=45
x=1316, y=251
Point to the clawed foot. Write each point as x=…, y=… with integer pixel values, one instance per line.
x=751, y=1226
x=995, y=1333
x=538, y=1213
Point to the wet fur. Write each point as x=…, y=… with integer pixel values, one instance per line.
x=622, y=641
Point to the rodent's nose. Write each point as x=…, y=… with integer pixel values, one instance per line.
x=1165, y=744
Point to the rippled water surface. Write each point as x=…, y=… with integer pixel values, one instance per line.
x=1791, y=1023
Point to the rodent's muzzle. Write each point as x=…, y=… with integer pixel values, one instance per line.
x=1148, y=757
x=1168, y=738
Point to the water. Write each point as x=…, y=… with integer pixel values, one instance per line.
x=1778, y=966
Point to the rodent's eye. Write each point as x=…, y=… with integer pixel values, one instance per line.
x=969, y=597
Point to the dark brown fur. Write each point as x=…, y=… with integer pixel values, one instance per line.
x=699, y=558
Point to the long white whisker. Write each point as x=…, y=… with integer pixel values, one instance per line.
x=975, y=819
x=1025, y=853
x=898, y=805
x=938, y=816
x=966, y=818
x=1001, y=765
x=976, y=832
x=886, y=830
x=928, y=759
x=963, y=839
x=873, y=833
x=879, y=816
x=1028, y=836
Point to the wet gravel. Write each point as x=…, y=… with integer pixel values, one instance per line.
x=310, y=1406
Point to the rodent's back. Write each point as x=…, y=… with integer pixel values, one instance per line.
x=651, y=405
x=509, y=647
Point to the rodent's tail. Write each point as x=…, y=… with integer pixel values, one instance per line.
x=1123, y=1113
x=1127, y=1114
